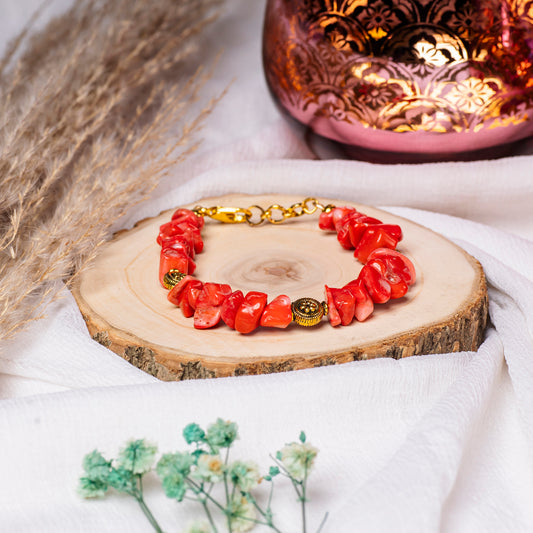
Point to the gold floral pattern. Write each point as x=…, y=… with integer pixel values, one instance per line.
x=403, y=65
x=471, y=95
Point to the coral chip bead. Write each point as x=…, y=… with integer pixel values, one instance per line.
x=375, y=283
x=187, y=299
x=206, y=317
x=376, y=237
x=186, y=215
x=192, y=292
x=325, y=220
x=192, y=233
x=230, y=306
x=213, y=294
x=333, y=314
x=343, y=236
x=339, y=213
x=364, y=306
x=278, y=313
x=397, y=262
x=176, y=292
x=179, y=242
x=398, y=285
x=249, y=313
x=344, y=302
x=171, y=259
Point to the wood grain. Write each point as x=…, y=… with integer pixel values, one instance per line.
x=126, y=309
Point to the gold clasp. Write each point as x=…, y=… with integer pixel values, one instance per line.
x=230, y=215
x=256, y=215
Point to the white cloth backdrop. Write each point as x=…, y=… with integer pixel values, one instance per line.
x=427, y=444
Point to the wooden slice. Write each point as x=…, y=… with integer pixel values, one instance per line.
x=127, y=310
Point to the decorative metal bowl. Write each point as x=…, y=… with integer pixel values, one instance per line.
x=434, y=78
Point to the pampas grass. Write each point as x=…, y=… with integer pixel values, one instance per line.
x=92, y=115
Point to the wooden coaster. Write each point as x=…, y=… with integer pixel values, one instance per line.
x=126, y=309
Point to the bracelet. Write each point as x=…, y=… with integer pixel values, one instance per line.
x=386, y=274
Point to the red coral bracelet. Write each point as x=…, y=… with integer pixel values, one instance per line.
x=386, y=274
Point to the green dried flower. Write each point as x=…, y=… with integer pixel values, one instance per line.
x=242, y=514
x=123, y=480
x=97, y=469
x=221, y=434
x=180, y=462
x=209, y=468
x=173, y=468
x=96, y=466
x=174, y=486
x=192, y=475
x=245, y=475
x=137, y=456
x=298, y=459
x=92, y=488
x=193, y=433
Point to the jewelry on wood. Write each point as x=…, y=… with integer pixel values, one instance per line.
x=386, y=274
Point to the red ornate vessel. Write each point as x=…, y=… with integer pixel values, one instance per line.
x=434, y=79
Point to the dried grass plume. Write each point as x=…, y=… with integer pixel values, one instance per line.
x=88, y=115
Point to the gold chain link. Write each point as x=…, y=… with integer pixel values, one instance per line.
x=256, y=215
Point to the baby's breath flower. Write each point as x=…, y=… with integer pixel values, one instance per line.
x=122, y=480
x=192, y=474
x=198, y=526
x=193, y=433
x=95, y=482
x=175, y=462
x=221, y=434
x=173, y=468
x=92, y=488
x=137, y=456
x=96, y=466
x=244, y=474
x=242, y=515
x=209, y=468
x=298, y=459
x=174, y=486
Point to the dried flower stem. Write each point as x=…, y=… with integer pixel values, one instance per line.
x=92, y=115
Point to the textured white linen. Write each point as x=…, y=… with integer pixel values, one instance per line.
x=436, y=443
x=427, y=444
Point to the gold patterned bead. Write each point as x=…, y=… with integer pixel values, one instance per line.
x=307, y=311
x=172, y=278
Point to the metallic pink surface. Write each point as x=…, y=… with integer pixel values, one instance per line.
x=407, y=76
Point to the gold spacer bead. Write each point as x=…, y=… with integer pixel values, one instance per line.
x=172, y=278
x=307, y=311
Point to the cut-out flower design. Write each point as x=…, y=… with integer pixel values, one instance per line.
x=338, y=37
x=471, y=95
x=467, y=21
x=378, y=19
x=331, y=105
x=377, y=96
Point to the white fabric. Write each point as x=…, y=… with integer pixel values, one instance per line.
x=427, y=444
